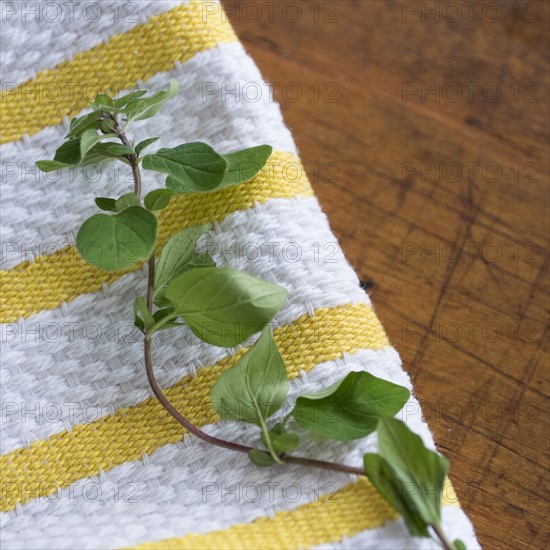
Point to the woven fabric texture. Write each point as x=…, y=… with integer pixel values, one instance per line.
x=89, y=459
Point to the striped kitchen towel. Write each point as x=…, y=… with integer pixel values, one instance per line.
x=89, y=459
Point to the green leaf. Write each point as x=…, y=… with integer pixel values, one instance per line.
x=85, y=149
x=116, y=242
x=142, y=316
x=421, y=471
x=459, y=545
x=79, y=125
x=202, y=259
x=178, y=251
x=260, y=458
x=49, y=165
x=145, y=143
x=88, y=139
x=103, y=99
x=100, y=152
x=282, y=442
x=127, y=200
x=391, y=488
x=146, y=107
x=161, y=314
x=68, y=153
x=255, y=387
x=125, y=99
x=224, y=306
x=107, y=126
x=158, y=199
x=191, y=167
x=106, y=203
x=244, y=165
x=120, y=150
x=350, y=408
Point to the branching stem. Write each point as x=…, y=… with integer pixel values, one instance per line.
x=175, y=413
x=165, y=402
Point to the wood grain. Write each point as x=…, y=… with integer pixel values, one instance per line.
x=440, y=200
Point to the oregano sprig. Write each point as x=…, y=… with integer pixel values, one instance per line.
x=226, y=307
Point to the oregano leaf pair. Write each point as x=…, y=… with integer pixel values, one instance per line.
x=408, y=475
x=85, y=149
x=197, y=167
x=86, y=133
x=256, y=388
x=191, y=166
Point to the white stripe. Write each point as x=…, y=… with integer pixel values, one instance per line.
x=81, y=361
x=43, y=34
x=394, y=535
x=41, y=213
x=171, y=481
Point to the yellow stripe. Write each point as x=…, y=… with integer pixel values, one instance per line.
x=112, y=66
x=353, y=509
x=64, y=275
x=88, y=448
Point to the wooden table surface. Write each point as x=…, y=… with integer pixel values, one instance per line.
x=425, y=136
